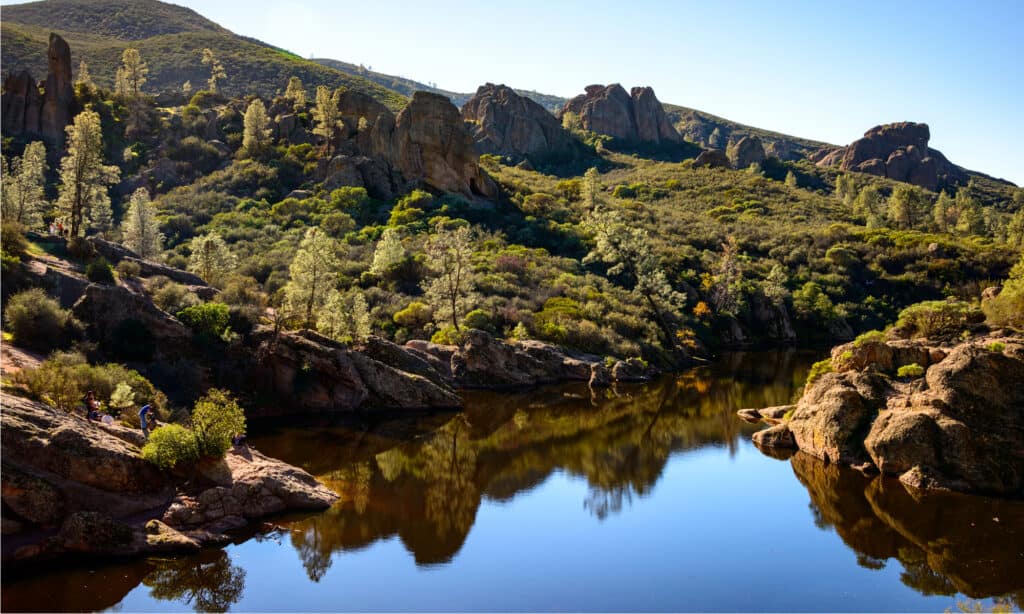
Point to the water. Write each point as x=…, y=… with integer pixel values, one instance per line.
x=646, y=498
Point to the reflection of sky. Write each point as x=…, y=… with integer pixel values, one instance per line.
x=715, y=533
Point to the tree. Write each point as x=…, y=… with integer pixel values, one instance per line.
x=389, y=252
x=970, y=220
x=870, y=205
x=1015, y=229
x=312, y=275
x=217, y=73
x=629, y=251
x=296, y=92
x=24, y=195
x=186, y=88
x=345, y=316
x=907, y=205
x=216, y=418
x=140, y=228
x=82, y=194
x=448, y=292
x=211, y=259
x=591, y=188
x=944, y=213
x=255, y=134
x=791, y=180
x=726, y=294
x=84, y=84
x=774, y=285
x=326, y=115
x=131, y=75
x=846, y=189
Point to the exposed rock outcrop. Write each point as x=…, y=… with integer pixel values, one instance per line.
x=748, y=150
x=959, y=427
x=504, y=123
x=76, y=487
x=898, y=151
x=712, y=158
x=30, y=113
x=634, y=117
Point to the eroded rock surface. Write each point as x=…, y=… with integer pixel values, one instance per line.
x=635, y=117
x=504, y=123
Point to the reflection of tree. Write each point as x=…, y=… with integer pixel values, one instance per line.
x=451, y=497
x=602, y=502
x=208, y=582
x=314, y=552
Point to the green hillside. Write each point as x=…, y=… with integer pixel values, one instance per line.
x=170, y=40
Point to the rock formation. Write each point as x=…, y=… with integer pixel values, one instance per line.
x=427, y=142
x=504, y=123
x=634, y=117
x=898, y=151
x=73, y=487
x=959, y=427
x=712, y=158
x=746, y=151
x=27, y=112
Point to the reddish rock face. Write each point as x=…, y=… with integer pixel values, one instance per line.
x=746, y=151
x=503, y=122
x=898, y=151
x=27, y=112
x=636, y=117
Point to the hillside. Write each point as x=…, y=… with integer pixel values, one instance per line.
x=170, y=40
x=406, y=86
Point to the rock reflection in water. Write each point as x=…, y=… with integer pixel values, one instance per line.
x=425, y=481
x=946, y=542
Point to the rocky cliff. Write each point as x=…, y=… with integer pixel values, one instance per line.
x=78, y=488
x=959, y=426
x=634, y=117
x=504, y=123
x=898, y=151
x=30, y=113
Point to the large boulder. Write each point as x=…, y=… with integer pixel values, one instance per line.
x=504, y=123
x=634, y=117
x=748, y=150
x=898, y=151
x=27, y=111
x=712, y=158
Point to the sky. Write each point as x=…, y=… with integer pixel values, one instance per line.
x=825, y=70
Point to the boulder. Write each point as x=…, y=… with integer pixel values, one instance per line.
x=504, y=123
x=22, y=104
x=59, y=97
x=115, y=253
x=631, y=370
x=288, y=128
x=485, y=362
x=748, y=150
x=652, y=124
x=103, y=308
x=712, y=158
x=778, y=436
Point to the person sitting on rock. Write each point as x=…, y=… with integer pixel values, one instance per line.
x=92, y=406
x=144, y=413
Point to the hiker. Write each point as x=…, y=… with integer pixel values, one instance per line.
x=144, y=413
x=92, y=406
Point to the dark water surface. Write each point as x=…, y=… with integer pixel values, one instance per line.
x=642, y=498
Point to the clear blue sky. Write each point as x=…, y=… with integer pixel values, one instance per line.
x=826, y=70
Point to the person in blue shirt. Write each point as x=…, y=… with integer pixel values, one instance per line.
x=144, y=413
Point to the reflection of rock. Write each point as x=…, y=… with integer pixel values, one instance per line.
x=947, y=542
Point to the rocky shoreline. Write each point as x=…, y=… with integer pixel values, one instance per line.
x=954, y=422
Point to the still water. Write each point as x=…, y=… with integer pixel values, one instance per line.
x=646, y=497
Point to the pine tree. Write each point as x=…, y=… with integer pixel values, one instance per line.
x=774, y=286
x=186, y=88
x=140, y=228
x=217, y=72
x=791, y=180
x=131, y=75
x=591, y=188
x=944, y=212
x=296, y=92
x=345, y=316
x=312, y=275
x=255, y=134
x=83, y=83
x=1015, y=229
x=450, y=251
x=326, y=115
x=82, y=194
x=211, y=259
x=846, y=189
x=24, y=196
x=389, y=252
x=970, y=220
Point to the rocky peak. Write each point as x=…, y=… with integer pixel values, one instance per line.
x=748, y=150
x=28, y=112
x=637, y=116
x=503, y=122
x=898, y=151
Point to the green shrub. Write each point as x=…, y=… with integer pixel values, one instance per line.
x=910, y=371
x=128, y=270
x=996, y=346
x=938, y=318
x=1007, y=307
x=415, y=315
x=447, y=336
x=207, y=320
x=170, y=296
x=100, y=271
x=171, y=445
x=479, y=319
x=872, y=336
x=80, y=249
x=12, y=237
x=36, y=321
x=216, y=418
x=817, y=370
x=63, y=378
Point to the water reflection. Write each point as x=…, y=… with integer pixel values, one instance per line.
x=424, y=482
x=947, y=543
